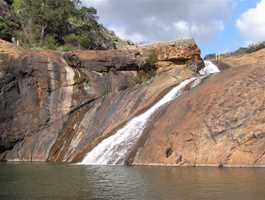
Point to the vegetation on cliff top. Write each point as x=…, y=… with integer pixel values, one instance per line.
x=243, y=50
x=56, y=23
x=251, y=48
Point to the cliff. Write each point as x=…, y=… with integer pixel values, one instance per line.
x=57, y=106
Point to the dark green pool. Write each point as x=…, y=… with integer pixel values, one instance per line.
x=42, y=181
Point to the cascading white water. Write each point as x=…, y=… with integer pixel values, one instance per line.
x=209, y=68
x=115, y=149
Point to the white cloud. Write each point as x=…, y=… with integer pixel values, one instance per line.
x=152, y=20
x=252, y=23
x=121, y=32
x=182, y=28
x=196, y=30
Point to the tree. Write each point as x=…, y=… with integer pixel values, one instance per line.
x=51, y=23
x=8, y=24
x=5, y=29
x=40, y=18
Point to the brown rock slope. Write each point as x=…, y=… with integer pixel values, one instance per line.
x=238, y=60
x=56, y=106
x=221, y=122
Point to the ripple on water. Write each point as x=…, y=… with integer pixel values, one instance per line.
x=39, y=182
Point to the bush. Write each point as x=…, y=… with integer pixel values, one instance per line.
x=72, y=40
x=251, y=48
x=66, y=48
x=50, y=43
x=56, y=23
x=147, y=68
x=149, y=65
x=5, y=30
x=83, y=40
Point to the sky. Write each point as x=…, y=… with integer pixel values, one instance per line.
x=218, y=26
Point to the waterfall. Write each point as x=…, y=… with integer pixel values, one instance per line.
x=209, y=68
x=115, y=149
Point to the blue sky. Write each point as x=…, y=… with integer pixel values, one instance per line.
x=230, y=38
x=216, y=25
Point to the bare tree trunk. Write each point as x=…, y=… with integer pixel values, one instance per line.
x=42, y=34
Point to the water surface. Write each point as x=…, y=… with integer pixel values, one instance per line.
x=70, y=182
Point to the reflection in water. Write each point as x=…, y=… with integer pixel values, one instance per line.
x=136, y=183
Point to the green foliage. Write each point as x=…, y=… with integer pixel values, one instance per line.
x=147, y=68
x=8, y=27
x=85, y=41
x=53, y=23
x=50, y=42
x=251, y=48
x=243, y=50
x=152, y=59
x=41, y=18
x=72, y=40
x=5, y=29
x=8, y=24
x=82, y=40
x=17, y=5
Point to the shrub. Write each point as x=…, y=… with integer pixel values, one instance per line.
x=147, y=68
x=85, y=41
x=50, y=43
x=60, y=22
x=5, y=30
x=251, y=48
x=72, y=40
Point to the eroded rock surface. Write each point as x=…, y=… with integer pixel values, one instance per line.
x=238, y=60
x=220, y=123
x=56, y=106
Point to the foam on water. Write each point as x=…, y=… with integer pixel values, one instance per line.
x=115, y=149
x=209, y=68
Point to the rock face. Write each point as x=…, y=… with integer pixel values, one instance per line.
x=255, y=58
x=56, y=107
x=220, y=123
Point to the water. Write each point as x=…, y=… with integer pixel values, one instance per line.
x=62, y=182
x=210, y=68
x=115, y=149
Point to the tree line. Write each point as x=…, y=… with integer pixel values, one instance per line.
x=56, y=23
